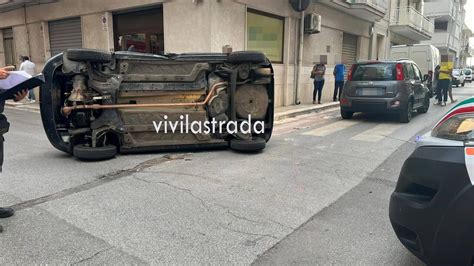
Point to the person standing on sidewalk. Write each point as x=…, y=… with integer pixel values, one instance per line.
x=444, y=81
x=4, y=127
x=435, y=83
x=339, y=71
x=30, y=68
x=318, y=73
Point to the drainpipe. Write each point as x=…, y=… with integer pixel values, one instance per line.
x=300, y=60
x=27, y=33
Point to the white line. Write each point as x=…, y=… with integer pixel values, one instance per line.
x=331, y=128
x=377, y=133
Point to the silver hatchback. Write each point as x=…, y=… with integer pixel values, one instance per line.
x=385, y=87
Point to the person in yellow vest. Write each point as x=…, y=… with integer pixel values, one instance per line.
x=444, y=81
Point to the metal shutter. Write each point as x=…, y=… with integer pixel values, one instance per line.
x=349, y=50
x=65, y=34
x=9, y=47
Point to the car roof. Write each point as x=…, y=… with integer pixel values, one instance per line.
x=402, y=60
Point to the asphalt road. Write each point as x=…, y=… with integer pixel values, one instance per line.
x=317, y=195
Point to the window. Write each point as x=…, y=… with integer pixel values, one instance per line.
x=265, y=33
x=441, y=25
x=408, y=71
x=417, y=72
x=374, y=72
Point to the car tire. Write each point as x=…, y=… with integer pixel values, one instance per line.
x=346, y=114
x=426, y=105
x=89, y=55
x=88, y=153
x=247, y=57
x=406, y=114
x=462, y=85
x=248, y=146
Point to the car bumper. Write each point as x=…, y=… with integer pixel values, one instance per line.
x=368, y=105
x=431, y=207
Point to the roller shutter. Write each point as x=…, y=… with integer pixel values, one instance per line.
x=65, y=34
x=349, y=50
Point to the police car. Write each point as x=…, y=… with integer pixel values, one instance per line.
x=431, y=209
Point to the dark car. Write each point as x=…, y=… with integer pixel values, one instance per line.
x=385, y=87
x=431, y=209
x=95, y=104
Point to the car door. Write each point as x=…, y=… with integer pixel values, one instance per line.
x=418, y=87
x=410, y=80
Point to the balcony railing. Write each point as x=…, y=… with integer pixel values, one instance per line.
x=408, y=16
x=439, y=8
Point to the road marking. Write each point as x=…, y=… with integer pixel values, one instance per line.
x=331, y=128
x=377, y=133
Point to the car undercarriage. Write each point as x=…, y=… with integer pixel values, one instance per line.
x=95, y=104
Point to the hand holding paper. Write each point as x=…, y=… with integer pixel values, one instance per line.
x=14, y=78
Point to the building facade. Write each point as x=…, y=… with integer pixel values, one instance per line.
x=451, y=35
x=351, y=30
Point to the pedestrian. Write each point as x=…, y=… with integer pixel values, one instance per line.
x=435, y=83
x=318, y=72
x=450, y=90
x=444, y=81
x=4, y=126
x=30, y=68
x=339, y=71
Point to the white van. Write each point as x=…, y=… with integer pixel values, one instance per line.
x=426, y=56
x=468, y=74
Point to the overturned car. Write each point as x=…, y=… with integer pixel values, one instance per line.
x=95, y=104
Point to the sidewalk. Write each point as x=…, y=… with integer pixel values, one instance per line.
x=23, y=105
x=295, y=110
x=280, y=112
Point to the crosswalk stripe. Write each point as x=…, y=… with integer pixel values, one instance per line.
x=377, y=133
x=331, y=128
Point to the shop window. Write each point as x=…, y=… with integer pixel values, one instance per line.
x=265, y=33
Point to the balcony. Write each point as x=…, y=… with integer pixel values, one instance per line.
x=410, y=23
x=439, y=9
x=467, y=51
x=368, y=10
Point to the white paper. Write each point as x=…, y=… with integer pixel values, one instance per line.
x=14, y=78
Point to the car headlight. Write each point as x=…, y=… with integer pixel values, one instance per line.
x=455, y=126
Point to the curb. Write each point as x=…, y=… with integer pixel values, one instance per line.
x=306, y=110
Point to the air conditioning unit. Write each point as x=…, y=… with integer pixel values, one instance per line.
x=312, y=23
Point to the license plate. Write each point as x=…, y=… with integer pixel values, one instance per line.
x=370, y=91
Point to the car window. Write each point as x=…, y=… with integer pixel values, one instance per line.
x=374, y=72
x=467, y=72
x=459, y=127
x=417, y=72
x=409, y=73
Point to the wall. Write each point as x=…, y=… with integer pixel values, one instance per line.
x=204, y=26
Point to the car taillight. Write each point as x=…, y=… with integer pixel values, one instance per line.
x=399, y=68
x=349, y=77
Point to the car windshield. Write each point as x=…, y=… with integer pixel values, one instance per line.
x=374, y=72
x=467, y=72
x=456, y=72
x=456, y=128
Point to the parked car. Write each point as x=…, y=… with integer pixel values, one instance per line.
x=431, y=207
x=468, y=74
x=95, y=104
x=426, y=56
x=385, y=87
x=458, y=77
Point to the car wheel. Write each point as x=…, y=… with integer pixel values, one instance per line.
x=247, y=57
x=89, y=55
x=88, y=153
x=463, y=84
x=457, y=85
x=406, y=114
x=426, y=105
x=254, y=145
x=346, y=114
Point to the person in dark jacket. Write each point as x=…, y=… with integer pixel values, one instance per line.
x=4, y=126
